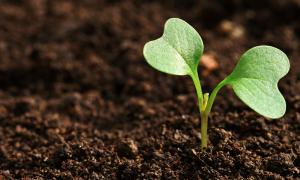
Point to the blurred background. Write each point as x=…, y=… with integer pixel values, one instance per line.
x=49, y=48
x=59, y=52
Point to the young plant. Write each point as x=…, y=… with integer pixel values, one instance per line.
x=254, y=79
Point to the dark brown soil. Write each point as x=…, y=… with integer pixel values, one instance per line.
x=79, y=101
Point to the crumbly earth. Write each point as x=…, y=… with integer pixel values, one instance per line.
x=79, y=101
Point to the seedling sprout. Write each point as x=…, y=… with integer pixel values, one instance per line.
x=254, y=79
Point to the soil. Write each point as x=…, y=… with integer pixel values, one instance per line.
x=79, y=101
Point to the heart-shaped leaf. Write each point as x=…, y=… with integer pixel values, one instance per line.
x=255, y=79
x=178, y=51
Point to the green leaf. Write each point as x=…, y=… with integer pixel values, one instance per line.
x=178, y=51
x=255, y=79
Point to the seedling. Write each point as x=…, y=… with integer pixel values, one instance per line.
x=254, y=79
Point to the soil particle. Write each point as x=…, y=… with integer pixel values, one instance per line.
x=282, y=164
x=127, y=148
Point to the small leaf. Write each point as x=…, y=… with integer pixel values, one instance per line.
x=255, y=79
x=178, y=51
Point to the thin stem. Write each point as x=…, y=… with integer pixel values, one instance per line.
x=204, y=106
x=205, y=113
x=199, y=90
x=212, y=98
x=201, y=109
x=204, y=119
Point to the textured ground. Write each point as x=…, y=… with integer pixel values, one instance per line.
x=78, y=100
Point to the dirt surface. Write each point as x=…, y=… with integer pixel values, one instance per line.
x=79, y=101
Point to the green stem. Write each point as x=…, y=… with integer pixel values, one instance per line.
x=205, y=113
x=204, y=119
x=212, y=98
x=204, y=106
x=201, y=109
x=199, y=90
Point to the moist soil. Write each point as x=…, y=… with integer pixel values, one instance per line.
x=79, y=101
